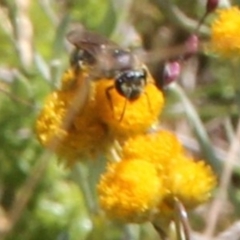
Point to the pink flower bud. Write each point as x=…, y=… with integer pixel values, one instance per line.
x=171, y=72
x=211, y=5
x=192, y=44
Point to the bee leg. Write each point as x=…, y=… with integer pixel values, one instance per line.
x=124, y=108
x=109, y=98
x=148, y=102
x=127, y=97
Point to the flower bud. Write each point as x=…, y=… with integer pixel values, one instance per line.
x=171, y=72
x=211, y=5
x=191, y=45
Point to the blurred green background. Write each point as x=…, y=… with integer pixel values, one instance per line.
x=40, y=198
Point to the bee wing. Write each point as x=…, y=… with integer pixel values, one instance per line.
x=110, y=58
x=89, y=41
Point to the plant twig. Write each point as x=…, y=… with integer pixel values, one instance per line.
x=24, y=38
x=25, y=193
x=181, y=221
x=221, y=195
x=198, y=128
x=16, y=98
x=179, y=18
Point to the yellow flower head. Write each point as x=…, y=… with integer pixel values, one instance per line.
x=130, y=190
x=189, y=181
x=225, y=39
x=85, y=135
x=138, y=115
x=157, y=148
x=50, y=120
x=68, y=80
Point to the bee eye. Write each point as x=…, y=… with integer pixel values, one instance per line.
x=74, y=57
x=131, y=83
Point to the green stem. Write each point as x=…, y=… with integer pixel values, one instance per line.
x=80, y=175
x=198, y=128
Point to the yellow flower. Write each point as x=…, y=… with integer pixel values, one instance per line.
x=157, y=148
x=138, y=115
x=225, y=39
x=50, y=120
x=130, y=190
x=83, y=137
x=68, y=80
x=189, y=181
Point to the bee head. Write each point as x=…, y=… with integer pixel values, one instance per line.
x=130, y=83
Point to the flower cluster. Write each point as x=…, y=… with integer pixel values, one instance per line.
x=80, y=119
x=84, y=118
x=153, y=172
x=72, y=133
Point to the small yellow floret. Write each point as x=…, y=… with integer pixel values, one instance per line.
x=84, y=136
x=130, y=190
x=189, y=181
x=225, y=39
x=50, y=120
x=138, y=115
x=68, y=80
x=157, y=148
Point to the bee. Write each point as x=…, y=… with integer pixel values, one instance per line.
x=105, y=59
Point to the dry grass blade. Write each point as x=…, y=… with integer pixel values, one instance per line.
x=221, y=196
